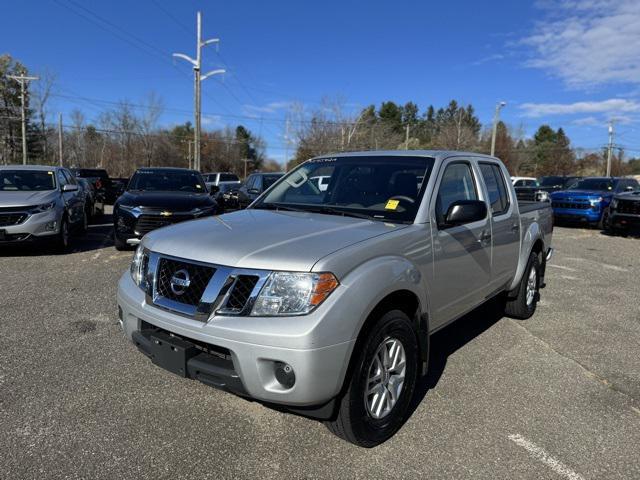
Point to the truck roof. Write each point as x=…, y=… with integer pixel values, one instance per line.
x=438, y=154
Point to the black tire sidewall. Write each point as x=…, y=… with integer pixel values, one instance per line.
x=368, y=430
x=532, y=263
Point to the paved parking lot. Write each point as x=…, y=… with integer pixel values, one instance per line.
x=556, y=396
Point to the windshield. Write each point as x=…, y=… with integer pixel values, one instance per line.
x=167, y=181
x=27, y=180
x=598, y=184
x=268, y=180
x=551, y=181
x=375, y=187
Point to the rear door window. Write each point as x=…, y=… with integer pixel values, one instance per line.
x=496, y=188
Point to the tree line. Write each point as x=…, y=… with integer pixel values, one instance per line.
x=120, y=139
x=127, y=136
x=452, y=127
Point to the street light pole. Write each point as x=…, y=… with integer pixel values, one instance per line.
x=198, y=79
x=496, y=116
x=22, y=79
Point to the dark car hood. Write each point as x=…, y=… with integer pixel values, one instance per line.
x=175, y=201
x=633, y=196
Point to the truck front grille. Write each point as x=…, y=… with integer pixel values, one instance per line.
x=197, y=275
x=572, y=205
x=199, y=290
x=629, y=207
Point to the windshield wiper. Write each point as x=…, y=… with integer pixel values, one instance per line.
x=279, y=206
x=344, y=213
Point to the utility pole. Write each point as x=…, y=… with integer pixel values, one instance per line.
x=60, y=138
x=189, y=157
x=22, y=79
x=496, y=116
x=198, y=78
x=406, y=139
x=609, y=148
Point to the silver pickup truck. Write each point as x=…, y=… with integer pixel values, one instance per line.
x=322, y=302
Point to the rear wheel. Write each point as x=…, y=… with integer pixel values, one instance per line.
x=524, y=304
x=374, y=405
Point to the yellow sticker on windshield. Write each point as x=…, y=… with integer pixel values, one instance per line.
x=391, y=204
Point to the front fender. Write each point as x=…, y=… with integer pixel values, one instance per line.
x=375, y=279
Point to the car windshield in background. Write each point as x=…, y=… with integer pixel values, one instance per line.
x=551, y=181
x=269, y=180
x=91, y=173
x=375, y=187
x=27, y=180
x=598, y=184
x=228, y=177
x=166, y=181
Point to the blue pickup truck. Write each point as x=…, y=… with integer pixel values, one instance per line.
x=588, y=200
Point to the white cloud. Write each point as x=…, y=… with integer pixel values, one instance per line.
x=588, y=42
x=211, y=120
x=611, y=106
x=271, y=107
x=489, y=58
x=587, y=122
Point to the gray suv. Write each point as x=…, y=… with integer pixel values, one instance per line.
x=40, y=203
x=323, y=300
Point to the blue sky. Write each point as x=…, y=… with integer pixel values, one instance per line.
x=569, y=63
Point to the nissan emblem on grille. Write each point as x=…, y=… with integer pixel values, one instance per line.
x=180, y=281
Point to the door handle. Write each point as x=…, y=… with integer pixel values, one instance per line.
x=515, y=227
x=484, y=238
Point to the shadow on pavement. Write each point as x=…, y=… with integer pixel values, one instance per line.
x=450, y=339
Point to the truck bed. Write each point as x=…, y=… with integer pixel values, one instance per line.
x=526, y=206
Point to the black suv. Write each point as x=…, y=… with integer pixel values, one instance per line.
x=156, y=197
x=254, y=185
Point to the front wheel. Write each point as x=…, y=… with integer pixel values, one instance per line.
x=62, y=239
x=524, y=304
x=379, y=391
x=604, y=222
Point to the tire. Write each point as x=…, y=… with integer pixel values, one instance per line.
x=63, y=239
x=84, y=226
x=524, y=304
x=603, y=224
x=360, y=419
x=120, y=244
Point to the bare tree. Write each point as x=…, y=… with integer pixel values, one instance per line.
x=147, y=124
x=42, y=91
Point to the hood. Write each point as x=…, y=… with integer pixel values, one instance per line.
x=579, y=194
x=264, y=239
x=175, y=201
x=27, y=199
x=633, y=196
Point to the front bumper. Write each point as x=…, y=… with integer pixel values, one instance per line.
x=622, y=220
x=575, y=214
x=256, y=348
x=36, y=226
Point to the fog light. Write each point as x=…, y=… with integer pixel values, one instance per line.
x=285, y=375
x=51, y=226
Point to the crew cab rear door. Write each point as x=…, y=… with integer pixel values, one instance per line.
x=462, y=253
x=505, y=223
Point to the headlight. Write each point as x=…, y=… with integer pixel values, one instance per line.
x=135, y=211
x=290, y=293
x=43, y=208
x=139, y=266
x=595, y=201
x=614, y=203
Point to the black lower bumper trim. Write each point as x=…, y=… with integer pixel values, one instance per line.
x=184, y=358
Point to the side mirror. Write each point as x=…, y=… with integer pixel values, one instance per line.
x=69, y=188
x=465, y=211
x=213, y=189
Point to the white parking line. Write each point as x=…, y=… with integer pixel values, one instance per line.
x=540, y=454
x=561, y=267
x=599, y=264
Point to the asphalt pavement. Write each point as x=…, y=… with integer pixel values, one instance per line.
x=556, y=396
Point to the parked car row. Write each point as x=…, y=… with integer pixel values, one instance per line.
x=609, y=203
